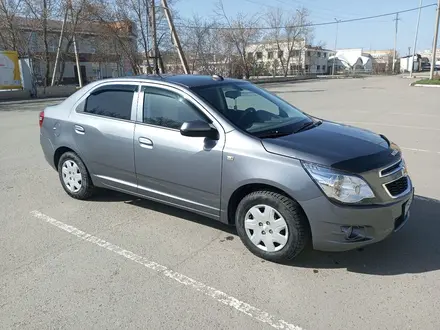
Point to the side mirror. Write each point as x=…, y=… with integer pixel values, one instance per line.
x=198, y=128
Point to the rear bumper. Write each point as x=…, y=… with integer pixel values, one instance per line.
x=343, y=228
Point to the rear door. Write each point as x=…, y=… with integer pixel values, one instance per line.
x=173, y=168
x=102, y=127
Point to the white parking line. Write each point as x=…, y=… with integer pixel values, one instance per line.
x=388, y=125
x=421, y=150
x=217, y=295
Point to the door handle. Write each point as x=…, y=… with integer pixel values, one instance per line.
x=145, y=143
x=79, y=129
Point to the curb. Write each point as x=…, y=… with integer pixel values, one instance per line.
x=423, y=85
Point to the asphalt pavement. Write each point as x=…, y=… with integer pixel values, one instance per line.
x=118, y=262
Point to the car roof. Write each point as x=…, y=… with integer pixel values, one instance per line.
x=187, y=80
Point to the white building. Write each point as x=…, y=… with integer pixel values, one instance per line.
x=289, y=58
x=407, y=61
x=352, y=59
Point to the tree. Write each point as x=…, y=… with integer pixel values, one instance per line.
x=240, y=32
x=41, y=11
x=10, y=36
x=202, y=42
x=290, y=32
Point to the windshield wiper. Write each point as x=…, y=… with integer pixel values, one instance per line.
x=308, y=126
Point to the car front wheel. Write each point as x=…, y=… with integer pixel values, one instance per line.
x=272, y=226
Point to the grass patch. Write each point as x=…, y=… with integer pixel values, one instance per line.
x=435, y=81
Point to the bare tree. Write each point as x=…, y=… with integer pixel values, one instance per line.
x=241, y=31
x=201, y=41
x=10, y=36
x=290, y=32
x=41, y=12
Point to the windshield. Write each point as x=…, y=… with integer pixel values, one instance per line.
x=253, y=109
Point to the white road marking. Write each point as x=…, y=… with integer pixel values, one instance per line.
x=217, y=295
x=388, y=125
x=421, y=150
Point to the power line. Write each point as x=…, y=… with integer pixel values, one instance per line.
x=314, y=24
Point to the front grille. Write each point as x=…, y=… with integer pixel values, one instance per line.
x=391, y=169
x=397, y=187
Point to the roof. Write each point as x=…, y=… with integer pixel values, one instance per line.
x=189, y=80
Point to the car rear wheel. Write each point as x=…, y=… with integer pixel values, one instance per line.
x=272, y=226
x=74, y=176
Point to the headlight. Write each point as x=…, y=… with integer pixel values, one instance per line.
x=339, y=186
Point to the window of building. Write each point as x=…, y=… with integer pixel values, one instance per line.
x=168, y=109
x=308, y=54
x=319, y=54
x=318, y=67
x=270, y=55
x=307, y=68
x=259, y=55
x=323, y=68
x=325, y=54
x=295, y=53
x=112, y=101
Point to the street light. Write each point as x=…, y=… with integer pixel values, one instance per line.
x=336, y=43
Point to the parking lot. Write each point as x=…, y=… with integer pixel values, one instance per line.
x=118, y=262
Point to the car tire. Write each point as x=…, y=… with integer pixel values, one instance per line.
x=254, y=211
x=75, y=177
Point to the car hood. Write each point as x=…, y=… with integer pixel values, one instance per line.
x=336, y=145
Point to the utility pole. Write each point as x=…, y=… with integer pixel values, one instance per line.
x=78, y=67
x=415, y=39
x=154, y=32
x=409, y=54
x=336, y=43
x=434, y=47
x=59, y=47
x=175, y=37
x=395, y=41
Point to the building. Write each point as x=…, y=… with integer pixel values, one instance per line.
x=102, y=49
x=351, y=59
x=407, y=61
x=288, y=58
x=382, y=60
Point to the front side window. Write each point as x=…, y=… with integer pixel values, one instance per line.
x=168, y=109
x=112, y=101
x=251, y=108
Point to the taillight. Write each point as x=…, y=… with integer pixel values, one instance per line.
x=41, y=119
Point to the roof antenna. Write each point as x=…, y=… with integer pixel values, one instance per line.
x=217, y=77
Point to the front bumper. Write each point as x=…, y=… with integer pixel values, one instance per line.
x=342, y=228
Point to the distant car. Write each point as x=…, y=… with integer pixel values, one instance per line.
x=231, y=151
x=427, y=67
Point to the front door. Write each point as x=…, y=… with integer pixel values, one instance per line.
x=102, y=127
x=170, y=167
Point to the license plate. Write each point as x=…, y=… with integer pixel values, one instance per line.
x=406, y=206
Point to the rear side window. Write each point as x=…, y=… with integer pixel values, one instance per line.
x=112, y=101
x=168, y=109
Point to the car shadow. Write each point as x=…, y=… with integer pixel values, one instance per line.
x=114, y=196
x=412, y=250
